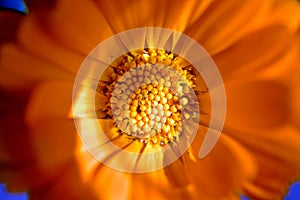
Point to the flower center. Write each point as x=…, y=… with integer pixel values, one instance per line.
x=154, y=110
x=148, y=91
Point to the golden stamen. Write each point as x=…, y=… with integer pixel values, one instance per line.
x=153, y=95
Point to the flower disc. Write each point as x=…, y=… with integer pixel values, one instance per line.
x=135, y=99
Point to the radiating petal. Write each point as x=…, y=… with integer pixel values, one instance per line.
x=285, y=13
x=41, y=156
x=151, y=13
x=256, y=105
x=223, y=171
x=223, y=23
x=105, y=182
x=51, y=132
x=153, y=185
x=46, y=47
x=77, y=25
x=68, y=184
x=19, y=69
x=50, y=99
x=276, y=151
x=256, y=51
x=290, y=78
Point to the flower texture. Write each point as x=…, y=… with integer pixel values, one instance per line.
x=255, y=45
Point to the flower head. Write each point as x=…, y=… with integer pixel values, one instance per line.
x=256, y=48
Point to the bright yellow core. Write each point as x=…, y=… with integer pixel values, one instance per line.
x=146, y=96
x=154, y=113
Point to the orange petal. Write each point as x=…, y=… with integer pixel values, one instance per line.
x=176, y=15
x=296, y=107
x=276, y=151
x=97, y=181
x=68, y=184
x=50, y=146
x=223, y=171
x=37, y=157
x=110, y=180
x=291, y=79
x=223, y=23
x=285, y=13
x=255, y=52
x=153, y=185
x=46, y=48
x=288, y=60
x=17, y=155
x=50, y=99
x=106, y=183
x=54, y=142
x=21, y=69
x=74, y=25
x=134, y=186
x=52, y=132
x=256, y=105
x=48, y=143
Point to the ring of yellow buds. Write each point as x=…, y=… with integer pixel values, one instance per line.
x=149, y=110
x=148, y=96
x=152, y=114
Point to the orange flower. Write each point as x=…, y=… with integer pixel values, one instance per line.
x=256, y=48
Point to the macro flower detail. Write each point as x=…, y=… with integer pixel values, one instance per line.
x=147, y=101
x=63, y=70
x=148, y=96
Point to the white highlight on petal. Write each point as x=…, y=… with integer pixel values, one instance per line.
x=84, y=93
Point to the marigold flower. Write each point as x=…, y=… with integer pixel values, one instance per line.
x=256, y=47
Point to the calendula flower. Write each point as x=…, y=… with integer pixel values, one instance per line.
x=255, y=45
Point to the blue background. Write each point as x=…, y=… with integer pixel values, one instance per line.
x=294, y=194
x=17, y=5
x=4, y=195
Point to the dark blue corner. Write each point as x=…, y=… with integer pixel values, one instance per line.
x=16, y=5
